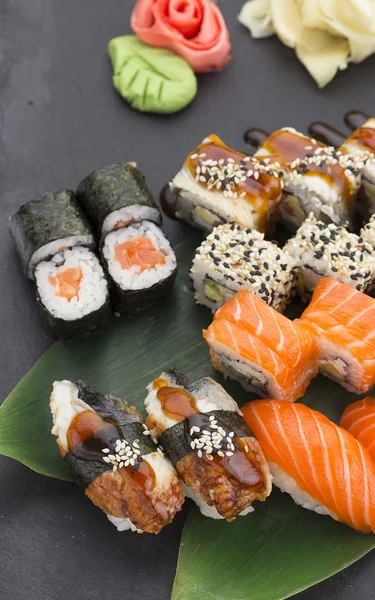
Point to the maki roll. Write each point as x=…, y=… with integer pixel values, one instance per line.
x=263, y=350
x=217, y=185
x=43, y=227
x=361, y=143
x=116, y=196
x=317, y=178
x=141, y=265
x=113, y=459
x=321, y=250
x=215, y=454
x=341, y=319
x=233, y=258
x=72, y=294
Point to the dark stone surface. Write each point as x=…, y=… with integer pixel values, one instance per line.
x=60, y=119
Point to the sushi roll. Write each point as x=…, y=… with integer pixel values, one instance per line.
x=215, y=454
x=233, y=258
x=317, y=178
x=113, y=459
x=341, y=318
x=368, y=232
x=141, y=266
x=117, y=196
x=361, y=143
x=321, y=250
x=219, y=185
x=359, y=419
x=72, y=294
x=322, y=466
x=43, y=227
x=263, y=350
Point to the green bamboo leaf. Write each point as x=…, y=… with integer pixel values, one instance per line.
x=269, y=555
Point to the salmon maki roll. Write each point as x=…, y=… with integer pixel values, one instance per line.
x=342, y=320
x=359, y=420
x=322, y=466
x=203, y=432
x=263, y=350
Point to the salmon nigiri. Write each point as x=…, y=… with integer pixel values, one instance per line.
x=343, y=321
x=266, y=352
x=322, y=466
x=359, y=419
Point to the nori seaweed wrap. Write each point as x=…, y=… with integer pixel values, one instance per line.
x=116, y=196
x=113, y=458
x=43, y=226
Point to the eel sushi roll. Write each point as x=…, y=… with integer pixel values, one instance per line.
x=261, y=349
x=43, y=227
x=113, y=459
x=342, y=320
x=219, y=185
x=361, y=143
x=116, y=196
x=317, y=178
x=215, y=454
x=72, y=294
x=233, y=258
x=141, y=265
x=321, y=250
x=322, y=466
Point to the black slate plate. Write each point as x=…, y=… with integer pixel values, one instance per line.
x=60, y=119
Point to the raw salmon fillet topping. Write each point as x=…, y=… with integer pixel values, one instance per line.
x=359, y=420
x=67, y=283
x=138, y=252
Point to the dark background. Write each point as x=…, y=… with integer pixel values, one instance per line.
x=60, y=119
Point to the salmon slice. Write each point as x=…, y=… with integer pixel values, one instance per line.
x=359, y=419
x=325, y=461
x=67, y=283
x=246, y=329
x=288, y=339
x=121, y=224
x=138, y=252
x=345, y=318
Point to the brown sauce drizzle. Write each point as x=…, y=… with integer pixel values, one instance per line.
x=354, y=119
x=365, y=136
x=92, y=433
x=255, y=137
x=176, y=403
x=326, y=134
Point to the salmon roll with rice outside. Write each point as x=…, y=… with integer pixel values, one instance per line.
x=359, y=419
x=113, y=458
x=215, y=454
x=141, y=265
x=116, y=196
x=267, y=353
x=341, y=318
x=219, y=185
x=233, y=258
x=322, y=466
x=47, y=225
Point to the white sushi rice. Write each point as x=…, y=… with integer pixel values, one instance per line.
x=354, y=146
x=289, y=485
x=134, y=278
x=45, y=252
x=92, y=292
x=65, y=405
x=130, y=214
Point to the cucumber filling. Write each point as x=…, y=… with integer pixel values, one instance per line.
x=336, y=368
x=215, y=292
x=253, y=377
x=204, y=217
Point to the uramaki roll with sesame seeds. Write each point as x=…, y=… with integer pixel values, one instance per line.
x=233, y=258
x=219, y=185
x=112, y=457
x=321, y=250
x=317, y=178
x=215, y=454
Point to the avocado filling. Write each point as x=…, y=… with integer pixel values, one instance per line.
x=215, y=292
x=205, y=218
x=336, y=369
x=252, y=378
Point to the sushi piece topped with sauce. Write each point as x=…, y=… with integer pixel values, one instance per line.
x=219, y=185
x=215, y=454
x=317, y=178
x=322, y=466
x=232, y=258
x=328, y=250
x=113, y=458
